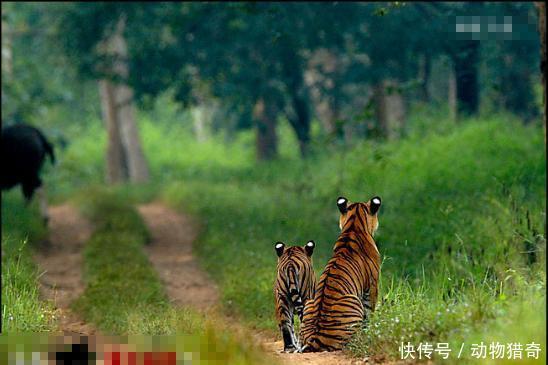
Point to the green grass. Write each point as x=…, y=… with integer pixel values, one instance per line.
x=438, y=310
x=122, y=287
x=22, y=228
x=460, y=209
x=462, y=227
x=124, y=294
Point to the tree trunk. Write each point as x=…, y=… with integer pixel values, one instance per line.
x=199, y=123
x=389, y=109
x=452, y=94
x=541, y=8
x=116, y=164
x=327, y=116
x=380, y=108
x=7, y=64
x=7, y=55
x=124, y=111
x=301, y=122
x=299, y=117
x=267, y=140
x=396, y=110
x=137, y=164
x=321, y=79
x=424, y=77
x=465, y=61
x=516, y=92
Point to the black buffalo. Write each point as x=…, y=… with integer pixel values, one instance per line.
x=24, y=149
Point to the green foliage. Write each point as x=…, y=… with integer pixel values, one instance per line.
x=22, y=309
x=461, y=209
x=462, y=206
x=80, y=163
x=118, y=275
x=176, y=42
x=44, y=83
x=125, y=296
x=440, y=309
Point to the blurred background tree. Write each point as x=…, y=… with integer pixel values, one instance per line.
x=357, y=69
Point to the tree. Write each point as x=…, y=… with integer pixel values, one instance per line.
x=261, y=57
x=508, y=59
x=439, y=37
x=7, y=52
x=265, y=62
x=30, y=87
x=117, y=99
x=465, y=58
x=95, y=37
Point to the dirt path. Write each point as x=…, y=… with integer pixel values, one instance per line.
x=188, y=285
x=171, y=254
x=60, y=261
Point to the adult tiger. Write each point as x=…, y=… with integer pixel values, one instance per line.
x=348, y=285
x=295, y=284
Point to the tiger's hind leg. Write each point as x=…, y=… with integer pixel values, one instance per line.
x=285, y=324
x=299, y=309
x=337, y=323
x=288, y=335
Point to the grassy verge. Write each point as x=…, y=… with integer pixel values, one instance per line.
x=124, y=294
x=461, y=229
x=120, y=280
x=22, y=228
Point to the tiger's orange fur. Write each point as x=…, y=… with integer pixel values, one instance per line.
x=295, y=284
x=348, y=286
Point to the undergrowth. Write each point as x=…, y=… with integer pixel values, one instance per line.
x=22, y=229
x=461, y=228
x=124, y=295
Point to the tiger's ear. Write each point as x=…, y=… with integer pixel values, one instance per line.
x=342, y=204
x=280, y=246
x=309, y=247
x=375, y=204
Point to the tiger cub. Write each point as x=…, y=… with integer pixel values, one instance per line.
x=347, y=289
x=295, y=285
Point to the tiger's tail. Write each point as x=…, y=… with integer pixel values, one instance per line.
x=294, y=289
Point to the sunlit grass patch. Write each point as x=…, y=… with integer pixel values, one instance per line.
x=119, y=278
x=124, y=294
x=442, y=309
x=460, y=209
x=22, y=308
x=463, y=201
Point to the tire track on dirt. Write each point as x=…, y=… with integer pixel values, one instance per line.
x=170, y=252
x=61, y=263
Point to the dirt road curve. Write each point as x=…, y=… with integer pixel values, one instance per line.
x=171, y=254
x=188, y=285
x=60, y=261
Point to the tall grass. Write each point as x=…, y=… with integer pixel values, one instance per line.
x=461, y=210
x=124, y=295
x=22, y=308
x=462, y=227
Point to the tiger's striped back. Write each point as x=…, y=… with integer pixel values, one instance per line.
x=295, y=284
x=348, y=285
